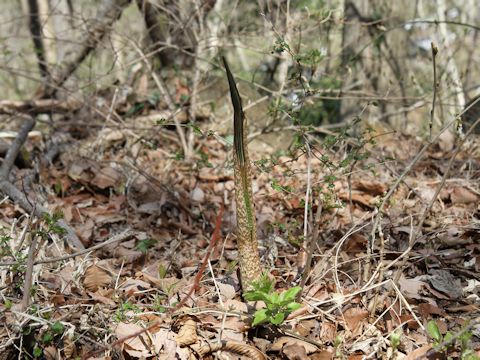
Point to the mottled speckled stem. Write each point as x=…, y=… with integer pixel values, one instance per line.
x=247, y=243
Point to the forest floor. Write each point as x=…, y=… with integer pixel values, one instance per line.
x=365, y=297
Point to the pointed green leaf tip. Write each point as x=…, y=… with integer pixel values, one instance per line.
x=237, y=115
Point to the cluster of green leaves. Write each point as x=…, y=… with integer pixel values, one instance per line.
x=280, y=188
x=450, y=341
x=55, y=331
x=277, y=305
x=120, y=314
x=280, y=46
x=307, y=111
x=18, y=269
x=158, y=304
x=266, y=165
x=146, y=244
x=290, y=230
x=5, y=249
x=52, y=227
x=311, y=57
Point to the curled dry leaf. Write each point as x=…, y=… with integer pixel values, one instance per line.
x=411, y=288
x=232, y=335
x=187, y=335
x=354, y=316
x=50, y=353
x=306, y=327
x=136, y=347
x=165, y=345
x=235, y=323
x=284, y=341
x=95, y=278
x=235, y=305
x=328, y=331
x=323, y=355
x=132, y=286
x=361, y=198
x=426, y=310
x=372, y=187
x=69, y=343
x=419, y=353
x=111, y=135
x=99, y=298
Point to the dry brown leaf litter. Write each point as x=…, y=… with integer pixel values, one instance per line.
x=173, y=203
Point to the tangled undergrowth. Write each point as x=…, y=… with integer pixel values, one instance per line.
x=366, y=293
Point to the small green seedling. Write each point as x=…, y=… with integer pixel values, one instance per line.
x=395, y=340
x=120, y=314
x=278, y=305
x=444, y=343
x=145, y=245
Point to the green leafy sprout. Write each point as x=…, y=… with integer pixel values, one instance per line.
x=443, y=343
x=278, y=305
x=145, y=245
x=120, y=314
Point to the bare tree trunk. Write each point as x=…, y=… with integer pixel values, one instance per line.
x=171, y=27
x=36, y=31
x=371, y=57
x=351, y=47
x=109, y=11
x=48, y=31
x=156, y=23
x=455, y=83
x=65, y=26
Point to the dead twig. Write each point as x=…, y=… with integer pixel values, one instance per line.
x=435, y=87
x=27, y=285
x=35, y=26
x=116, y=238
x=307, y=247
x=38, y=106
x=15, y=149
x=211, y=246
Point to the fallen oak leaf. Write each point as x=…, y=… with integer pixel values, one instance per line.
x=354, y=316
x=95, y=278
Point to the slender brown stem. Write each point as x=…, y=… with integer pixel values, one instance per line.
x=435, y=87
x=27, y=286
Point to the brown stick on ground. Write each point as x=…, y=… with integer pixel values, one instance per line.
x=27, y=287
x=38, y=106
